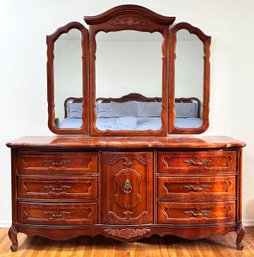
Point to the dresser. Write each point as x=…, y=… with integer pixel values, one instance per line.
x=126, y=188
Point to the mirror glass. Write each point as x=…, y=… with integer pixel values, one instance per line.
x=128, y=62
x=189, y=79
x=68, y=80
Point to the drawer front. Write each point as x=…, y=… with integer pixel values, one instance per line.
x=57, y=214
x=57, y=162
x=196, y=213
x=52, y=188
x=216, y=161
x=196, y=187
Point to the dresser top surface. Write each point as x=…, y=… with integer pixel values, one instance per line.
x=79, y=142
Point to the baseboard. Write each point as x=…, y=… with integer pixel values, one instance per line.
x=5, y=224
x=248, y=223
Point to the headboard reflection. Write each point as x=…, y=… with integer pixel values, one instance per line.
x=187, y=110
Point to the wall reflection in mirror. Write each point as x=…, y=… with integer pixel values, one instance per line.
x=189, y=70
x=128, y=62
x=68, y=80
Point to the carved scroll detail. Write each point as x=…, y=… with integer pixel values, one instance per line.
x=129, y=20
x=113, y=218
x=13, y=237
x=127, y=233
x=240, y=235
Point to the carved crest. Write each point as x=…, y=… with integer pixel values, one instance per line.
x=127, y=233
x=129, y=21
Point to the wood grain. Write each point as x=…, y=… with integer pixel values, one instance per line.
x=220, y=246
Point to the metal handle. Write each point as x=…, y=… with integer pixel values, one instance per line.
x=200, y=163
x=61, y=214
x=193, y=213
x=63, y=162
x=193, y=188
x=127, y=188
x=50, y=187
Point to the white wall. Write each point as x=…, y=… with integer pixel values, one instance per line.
x=24, y=25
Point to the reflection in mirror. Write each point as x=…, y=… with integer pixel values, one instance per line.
x=189, y=70
x=128, y=62
x=68, y=80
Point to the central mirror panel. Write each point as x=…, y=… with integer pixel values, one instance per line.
x=189, y=89
x=128, y=80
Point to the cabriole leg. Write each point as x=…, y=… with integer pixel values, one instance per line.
x=13, y=237
x=240, y=235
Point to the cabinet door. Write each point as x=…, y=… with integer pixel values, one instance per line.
x=127, y=187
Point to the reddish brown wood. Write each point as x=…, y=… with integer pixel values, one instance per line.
x=128, y=10
x=196, y=213
x=85, y=82
x=12, y=233
x=90, y=143
x=202, y=161
x=57, y=213
x=129, y=17
x=57, y=162
x=127, y=195
x=206, y=79
x=130, y=189
x=197, y=188
x=57, y=188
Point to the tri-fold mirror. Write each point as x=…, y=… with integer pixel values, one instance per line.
x=131, y=73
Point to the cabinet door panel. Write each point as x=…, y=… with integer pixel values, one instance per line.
x=127, y=194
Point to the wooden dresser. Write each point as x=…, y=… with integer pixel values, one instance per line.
x=126, y=188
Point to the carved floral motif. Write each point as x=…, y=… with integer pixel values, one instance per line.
x=129, y=20
x=127, y=233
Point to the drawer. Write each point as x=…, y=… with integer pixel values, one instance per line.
x=196, y=213
x=215, y=161
x=56, y=162
x=196, y=187
x=52, y=188
x=57, y=214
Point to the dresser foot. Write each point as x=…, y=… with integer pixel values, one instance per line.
x=240, y=235
x=13, y=237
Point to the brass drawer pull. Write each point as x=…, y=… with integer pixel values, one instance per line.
x=63, y=162
x=127, y=188
x=200, y=163
x=193, y=213
x=61, y=214
x=193, y=188
x=50, y=187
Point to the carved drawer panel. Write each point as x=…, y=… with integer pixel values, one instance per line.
x=127, y=188
x=57, y=162
x=215, y=161
x=196, y=213
x=196, y=187
x=52, y=188
x=57, y=214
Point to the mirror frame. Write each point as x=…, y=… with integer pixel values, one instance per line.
x=206, y=40
x=51, y=39
x=129, y=17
